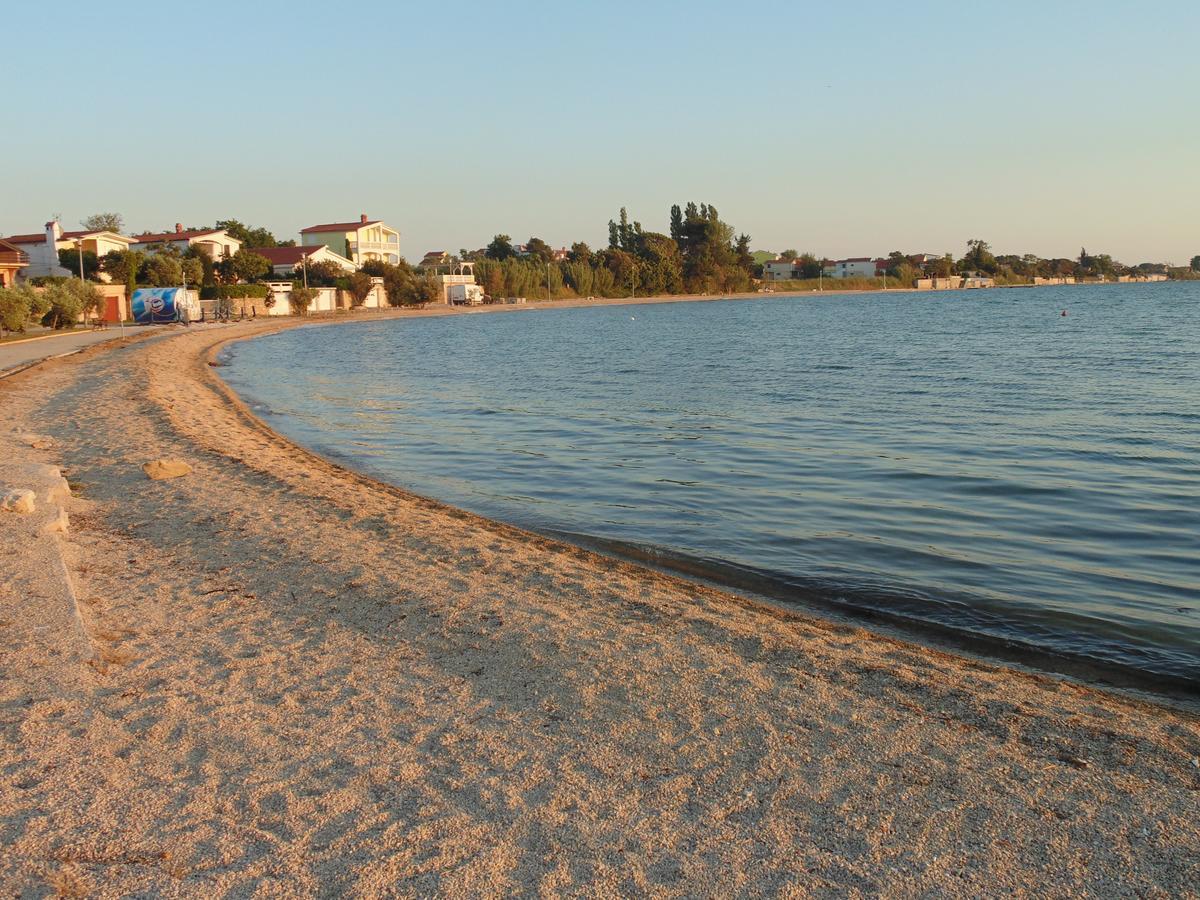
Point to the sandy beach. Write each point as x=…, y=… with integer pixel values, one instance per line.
x=276, y=677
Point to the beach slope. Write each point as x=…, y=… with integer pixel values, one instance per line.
x=295, y=680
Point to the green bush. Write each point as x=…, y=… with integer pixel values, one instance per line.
x=18, y=305
x=234, y=291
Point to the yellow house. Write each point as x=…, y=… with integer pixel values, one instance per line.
x=12, y=260
x=361, y=241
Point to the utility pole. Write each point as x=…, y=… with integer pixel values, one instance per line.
x=547, y=280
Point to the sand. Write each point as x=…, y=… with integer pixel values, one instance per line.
x=290, y=680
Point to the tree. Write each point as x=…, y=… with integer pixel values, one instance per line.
x=161, y=270
x=18, y=305
x=245, y=265
x=810, y=266
x=359, y=285
x=427, y=289
x=676, y=223
x=1196, y=263
x=500, y=248
x=301, y=298
x=208, y=269
x=325, y=273
x=122, y=267
x=104, y=222
x=788, y=254
x=250, y=237
x=582, y=253
x=69, y=260
x=741, y=249
x=540, y=249
x=68, y=299
x=979, y=257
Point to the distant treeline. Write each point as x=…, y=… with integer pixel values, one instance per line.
x=702, y=254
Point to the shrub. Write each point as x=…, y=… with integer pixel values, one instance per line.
x=18, y=305
x=302, y=298
x=233, y=291
x=69, y=300
x=359, y=287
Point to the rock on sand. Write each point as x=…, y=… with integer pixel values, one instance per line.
x=160, y=469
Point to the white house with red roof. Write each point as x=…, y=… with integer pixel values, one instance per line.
x=42, y=249
x=287, y=260
x=361, y=241
x=217, y=242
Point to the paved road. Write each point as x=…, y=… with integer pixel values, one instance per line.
x=21, y=353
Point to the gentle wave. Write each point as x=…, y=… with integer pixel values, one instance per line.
x=971, y=461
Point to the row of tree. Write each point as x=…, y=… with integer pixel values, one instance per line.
x=701, y=254
x=57, y=305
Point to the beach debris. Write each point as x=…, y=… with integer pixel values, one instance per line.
x=20, y=500
x=1072, y=760
x=160, y=469
x=38, y=441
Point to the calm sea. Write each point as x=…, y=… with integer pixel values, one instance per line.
x=970, y=462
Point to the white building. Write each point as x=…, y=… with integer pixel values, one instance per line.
x=42, y=249
x=855, y=267
x=780, y=270
x=462, y=273
x=217, y=242
x=288, y=260
x=366, y=239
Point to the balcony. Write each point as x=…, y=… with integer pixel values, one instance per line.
x=14, y=258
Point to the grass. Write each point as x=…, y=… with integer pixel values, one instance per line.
x=797, y=286
x=13, y=337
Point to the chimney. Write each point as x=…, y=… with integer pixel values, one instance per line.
x=53, y=232
x=363, y=218
x=178, y=228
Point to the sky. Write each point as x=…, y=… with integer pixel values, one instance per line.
x=845, y=129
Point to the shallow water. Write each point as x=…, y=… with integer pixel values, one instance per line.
x=974, y=460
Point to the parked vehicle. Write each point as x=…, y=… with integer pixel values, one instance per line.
x=465, y=294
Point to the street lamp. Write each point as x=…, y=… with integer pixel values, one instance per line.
x=79, y=247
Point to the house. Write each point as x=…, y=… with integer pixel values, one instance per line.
x=435, y=258
x=216, y=242
x=12, y=260
x=366, y=239
x=562, y=254
x=780, y=270
x=854, y=267
x=286, y=260
x=42, y=249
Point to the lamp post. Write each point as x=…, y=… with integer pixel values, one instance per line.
x=79, y=247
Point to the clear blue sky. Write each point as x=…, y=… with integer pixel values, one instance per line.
x=846, y=129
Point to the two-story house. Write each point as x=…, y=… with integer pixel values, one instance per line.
x=216, y=242
x=286, y=261
x=361, y=241
x=42, y=249
x=12, y=260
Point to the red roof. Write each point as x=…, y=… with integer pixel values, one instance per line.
x=165, y=236
x=27, y=238
x=339, y=226
x=282, y=256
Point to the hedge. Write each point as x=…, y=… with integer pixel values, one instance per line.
x=233, y=291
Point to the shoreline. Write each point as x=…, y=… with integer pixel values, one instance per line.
x=307, y=677
x=1150, y=687
x=1155, y=688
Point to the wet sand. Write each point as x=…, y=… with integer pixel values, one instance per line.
x=291, y=680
